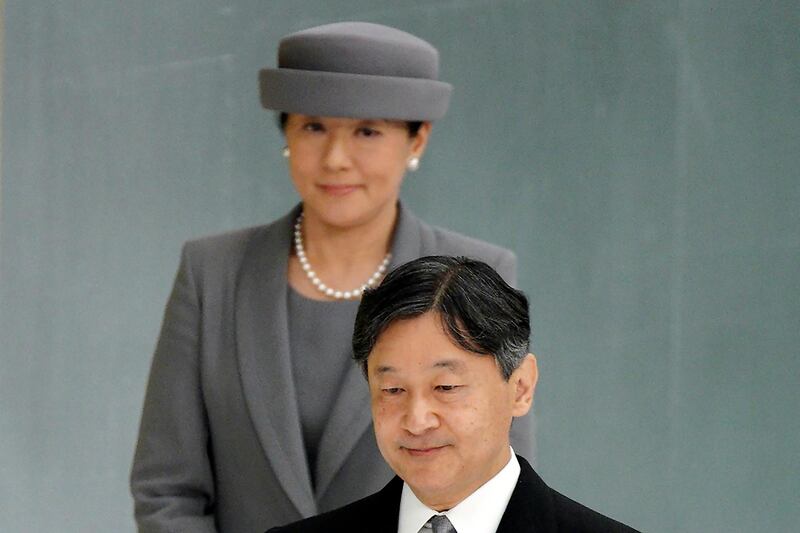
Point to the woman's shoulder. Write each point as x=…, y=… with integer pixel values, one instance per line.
x=230, y=247
x=441, y=241
x=436, y=240
x=454, y=243
x=225, y=242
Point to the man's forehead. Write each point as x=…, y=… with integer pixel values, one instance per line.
x=451, y=364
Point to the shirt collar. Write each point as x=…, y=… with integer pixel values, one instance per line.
x=480, y=512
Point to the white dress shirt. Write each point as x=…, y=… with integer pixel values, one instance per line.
x=480, y=512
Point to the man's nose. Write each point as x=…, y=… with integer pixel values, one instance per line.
x=420, y=416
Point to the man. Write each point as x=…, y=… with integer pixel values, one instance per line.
x=444, y=342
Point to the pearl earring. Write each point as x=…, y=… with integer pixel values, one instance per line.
x=413, y=164
x=286, y=152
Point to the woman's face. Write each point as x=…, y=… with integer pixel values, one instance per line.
x=349, y=171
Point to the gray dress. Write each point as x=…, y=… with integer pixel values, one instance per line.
x=320, y=334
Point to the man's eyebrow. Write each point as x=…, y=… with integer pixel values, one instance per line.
x=385, y=369
x=450, y=364
x=454, y=365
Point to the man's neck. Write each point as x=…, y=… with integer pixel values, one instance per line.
x=442, y=501
x=480, y=511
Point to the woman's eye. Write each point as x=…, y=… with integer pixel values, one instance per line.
x=312, y=126
x=368, y=132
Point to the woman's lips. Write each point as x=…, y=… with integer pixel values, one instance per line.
x=338, y=190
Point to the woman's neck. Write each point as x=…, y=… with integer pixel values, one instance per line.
x=343, y=257
x=347, y=245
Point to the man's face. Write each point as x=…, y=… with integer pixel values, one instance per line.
x=442, y=414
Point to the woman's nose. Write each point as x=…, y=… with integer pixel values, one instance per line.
x=337, y=154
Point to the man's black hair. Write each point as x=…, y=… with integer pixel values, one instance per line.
x=479, y=311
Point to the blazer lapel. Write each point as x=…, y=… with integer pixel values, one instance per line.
x=351, y=416
x=531, y=505
x=349, y=419
x=407, y=243
x=262, y=342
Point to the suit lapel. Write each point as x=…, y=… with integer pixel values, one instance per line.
x=383, y=508
x=351, y=416
x=531, y=505
x=262, y=337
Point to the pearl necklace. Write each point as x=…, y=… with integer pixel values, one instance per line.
x=321, y=287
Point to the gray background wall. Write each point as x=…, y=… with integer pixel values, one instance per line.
x=640, y=157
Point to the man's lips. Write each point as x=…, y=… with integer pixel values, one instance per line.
x=337, y=189
x=423, y=451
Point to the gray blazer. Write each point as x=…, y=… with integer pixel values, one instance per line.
x=220, y=445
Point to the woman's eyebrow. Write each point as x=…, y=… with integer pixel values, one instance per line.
x=382, y=122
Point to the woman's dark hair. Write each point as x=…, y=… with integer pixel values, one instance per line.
x=479, y=311
x=413, y=125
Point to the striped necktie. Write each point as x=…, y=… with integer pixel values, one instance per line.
x=441, y=524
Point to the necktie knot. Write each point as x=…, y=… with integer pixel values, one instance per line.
x=441, y=524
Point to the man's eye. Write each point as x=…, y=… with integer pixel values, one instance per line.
x=392, y=390
x=312, y=126
x=447, y=388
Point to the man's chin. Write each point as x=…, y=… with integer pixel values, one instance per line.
x=425, y=479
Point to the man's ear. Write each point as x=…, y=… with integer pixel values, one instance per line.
x=524, y=379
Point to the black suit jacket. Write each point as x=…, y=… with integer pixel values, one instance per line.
x=533, y=507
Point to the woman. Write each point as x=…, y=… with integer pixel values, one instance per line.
x=254, y=414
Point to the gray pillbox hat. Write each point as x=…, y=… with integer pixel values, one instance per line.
x=356, y=70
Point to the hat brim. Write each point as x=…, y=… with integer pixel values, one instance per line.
x=337, y=94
